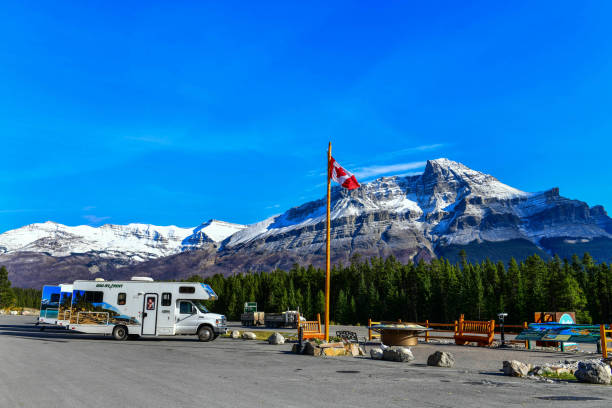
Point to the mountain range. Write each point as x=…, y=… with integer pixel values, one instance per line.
x=446, y=209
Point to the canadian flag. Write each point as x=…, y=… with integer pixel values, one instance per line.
x=341, y=176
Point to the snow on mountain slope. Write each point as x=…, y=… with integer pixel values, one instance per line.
x=138, y=241
x=448, y=207
x=448, y=204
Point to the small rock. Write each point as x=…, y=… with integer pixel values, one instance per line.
x=276, y=338
x=399, y=354
x=515, y=368
x=334, y=351
x=311, y=349
x=593, y=373
x=353, y=349
x=441, y=359
x=249, y=336
x=14, y=312
x=235, y=334
x=376, y=353
x=561, y=370
x=296, y=348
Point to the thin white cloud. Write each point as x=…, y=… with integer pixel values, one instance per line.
x=94, y=219
x=273, y=206
x=372, y=171
x=410, y=150
x=429, y=147
x=410, y=173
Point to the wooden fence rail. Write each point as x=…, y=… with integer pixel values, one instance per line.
x=438, y=329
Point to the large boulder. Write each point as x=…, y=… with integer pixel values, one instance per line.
x=399, y=354
x=276, y=338
x=593, y=373
x=235, y=334
x=441, y=359
x=249, y=336
x=376, y=353
x=515, y=368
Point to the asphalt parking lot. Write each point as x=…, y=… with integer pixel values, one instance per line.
x=59, y=369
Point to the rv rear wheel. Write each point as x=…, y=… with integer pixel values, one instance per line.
x=205, y=333
x=120, y=332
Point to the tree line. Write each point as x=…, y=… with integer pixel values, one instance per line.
x=386, y=289
x=17, y=297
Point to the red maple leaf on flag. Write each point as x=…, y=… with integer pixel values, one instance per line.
x=342, y=176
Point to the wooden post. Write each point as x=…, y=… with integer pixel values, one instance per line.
x=298, y=324
x=526, y=326
x=327, y=247
x=369, y=329
x=604, y=340
x=427, y=332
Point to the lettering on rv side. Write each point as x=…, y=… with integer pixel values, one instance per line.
x=109, y=285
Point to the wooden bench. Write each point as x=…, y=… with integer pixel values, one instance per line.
x=372, y=334
x=310, y=329
x=481, y=332
x=605, y=339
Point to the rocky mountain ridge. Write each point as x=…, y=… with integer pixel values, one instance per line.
x=447, y=208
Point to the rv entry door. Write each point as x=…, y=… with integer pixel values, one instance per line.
x=149, y=313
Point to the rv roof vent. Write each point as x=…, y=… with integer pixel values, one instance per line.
x=99, y=280
x=142, y=278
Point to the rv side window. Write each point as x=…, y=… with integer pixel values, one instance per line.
x=121, y=298
x=94, y=297
x=186, y=308
x=55, y=298
x=166, y=299
x=186, y=289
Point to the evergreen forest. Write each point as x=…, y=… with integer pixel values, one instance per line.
x=386, y=289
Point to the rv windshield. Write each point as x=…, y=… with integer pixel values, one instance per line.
x=200, y=307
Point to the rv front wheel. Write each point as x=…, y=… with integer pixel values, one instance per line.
x=205, y=333
x=120, y=333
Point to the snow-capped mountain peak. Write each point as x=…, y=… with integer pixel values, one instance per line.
x=138, y=241
x=448, y=206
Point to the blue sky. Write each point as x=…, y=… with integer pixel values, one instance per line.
x=178, y=112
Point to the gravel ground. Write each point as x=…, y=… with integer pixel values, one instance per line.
x=59, y=369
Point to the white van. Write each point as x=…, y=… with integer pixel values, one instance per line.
x=142, y=307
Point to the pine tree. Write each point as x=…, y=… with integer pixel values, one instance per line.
x=7, y=296
x=342, y=306
x=320, y=305
x=515, y=293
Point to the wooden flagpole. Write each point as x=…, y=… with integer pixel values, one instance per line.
x=327, y=249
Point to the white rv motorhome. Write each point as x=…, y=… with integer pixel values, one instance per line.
x=55, y=305
x=142, y=307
